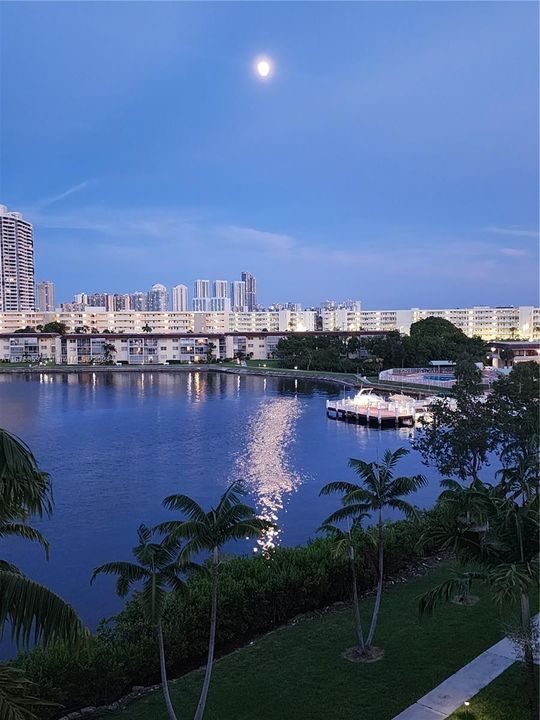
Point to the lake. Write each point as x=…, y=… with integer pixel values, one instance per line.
x=116, y=443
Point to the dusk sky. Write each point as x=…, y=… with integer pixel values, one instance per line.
x=391, y=157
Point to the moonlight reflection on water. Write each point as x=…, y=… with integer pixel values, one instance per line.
x=264, y=467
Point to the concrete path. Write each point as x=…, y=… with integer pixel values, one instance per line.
x=447, y=697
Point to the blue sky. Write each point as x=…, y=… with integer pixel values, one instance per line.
x=392, y=156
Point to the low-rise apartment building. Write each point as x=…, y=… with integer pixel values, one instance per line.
x=489, y=323
x=138, y=348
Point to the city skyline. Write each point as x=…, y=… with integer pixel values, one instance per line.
x=351, y=172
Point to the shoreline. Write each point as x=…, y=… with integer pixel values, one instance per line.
x=348, y=380
x=270, y=372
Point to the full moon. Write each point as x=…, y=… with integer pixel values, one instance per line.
x=263, y=67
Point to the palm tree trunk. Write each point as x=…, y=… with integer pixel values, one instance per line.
x=359, y=631
x=377, y=605
x=199, y=713
x=532, y=690
x=163, y=669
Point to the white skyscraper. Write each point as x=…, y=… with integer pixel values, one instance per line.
x=201, y=296
x=221, y=289
x=180, y=300
x=158, y=298
x=201, y=289
x=45, y=296
x=238, y=296
x=251, y=291
x=17, y=290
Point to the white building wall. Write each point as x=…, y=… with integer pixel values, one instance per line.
x=521, y=323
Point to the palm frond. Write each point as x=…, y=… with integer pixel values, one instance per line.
x=445, y=590
x=128, y=573
x=17, y=701
x=410, y=511
x=348, y=512
x=338, y=486
x=144, y=534
x=9, y=567
x=22, y=483
x=35, y=611
x=183, y=502
x=26, y=532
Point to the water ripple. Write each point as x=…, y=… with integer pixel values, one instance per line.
x=264, y=467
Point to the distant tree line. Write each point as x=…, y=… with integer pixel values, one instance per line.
x=429, y=339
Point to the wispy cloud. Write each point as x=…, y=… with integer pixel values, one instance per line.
x=173, y=245
x=513, y=230
x=56, y=198
x=513, y=252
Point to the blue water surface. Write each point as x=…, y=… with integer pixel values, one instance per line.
x=117, y=443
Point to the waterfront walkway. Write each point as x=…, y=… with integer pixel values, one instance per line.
x=450, y=695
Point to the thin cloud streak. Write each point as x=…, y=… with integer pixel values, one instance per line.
x=514, y=231
x=56, y=198
x=124, y=240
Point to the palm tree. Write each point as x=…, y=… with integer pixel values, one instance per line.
x=158, y=567
x=32, y=610
x=344, y=543
x=495, y=543
x=379, y=490
x=17, y=701
x=108, y=350
x=210, y=531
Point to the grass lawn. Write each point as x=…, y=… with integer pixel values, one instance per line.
x=503, y=699
x=298, y=672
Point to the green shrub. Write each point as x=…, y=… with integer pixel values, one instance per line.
x=256, y=594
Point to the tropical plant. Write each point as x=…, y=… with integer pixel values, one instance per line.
x=17, y=701
x=158, y=568
x=495, y=540
x=379, y=490
x=55, y=327
x=345, y=542
x=230, y=520
x=146, y=328
x=108, y=350
x=460, y=436
x=31, y=610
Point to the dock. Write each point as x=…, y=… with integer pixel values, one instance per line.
x=370, y=409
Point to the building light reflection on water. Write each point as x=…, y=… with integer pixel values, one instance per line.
x=264, y=467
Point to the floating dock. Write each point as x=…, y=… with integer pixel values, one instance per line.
x=369, y=409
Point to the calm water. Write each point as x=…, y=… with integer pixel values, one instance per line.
x=117, y=443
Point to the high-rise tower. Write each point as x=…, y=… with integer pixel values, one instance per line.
x=251, y=291
x=158, y=298
x=180, y=298
x=17, y=290
x=45, y=296
x=238, y=296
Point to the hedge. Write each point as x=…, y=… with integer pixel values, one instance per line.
x=256, y=594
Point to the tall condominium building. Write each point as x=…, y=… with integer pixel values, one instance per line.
x=122, y=302
x=180, y=298
x=220, y=304
x=139, y=301
x=158, y=298
x=17, y=290
x=201, y=296
x=201, y=289
x=221, y=289
x=45, y=296
x=238, y=296
x=251, y=291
